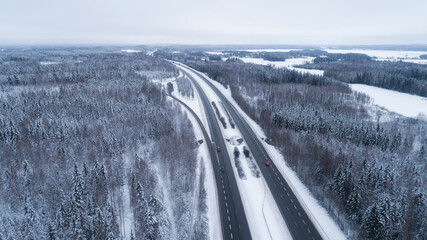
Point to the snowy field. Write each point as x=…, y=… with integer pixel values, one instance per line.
x=320, y=217
x=381, y=54
x=130, y=51
x=288, y=63
x=402, y=103
x=271, y=50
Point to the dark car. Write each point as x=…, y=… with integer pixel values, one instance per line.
x=267, y=163
x=218, y=149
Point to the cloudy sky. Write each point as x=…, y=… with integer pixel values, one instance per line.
x=213, y=22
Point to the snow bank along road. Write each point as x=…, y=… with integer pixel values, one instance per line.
x=299, y=224
x=233, y=217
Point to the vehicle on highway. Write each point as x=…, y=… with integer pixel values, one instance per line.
x=218, y=149
x=267, y=163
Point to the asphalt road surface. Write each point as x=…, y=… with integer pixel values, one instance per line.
x=297, y=220
x=233, y=217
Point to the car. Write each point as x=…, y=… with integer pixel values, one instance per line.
x=267, y=163
x=218, y=149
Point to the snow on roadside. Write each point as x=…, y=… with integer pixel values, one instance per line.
x=402, y=103
x=288, y=63
x=213, y=216
x=262, y=213
x=316, y=212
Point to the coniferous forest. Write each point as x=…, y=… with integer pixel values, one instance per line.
x=366, y=169
x=88, y=149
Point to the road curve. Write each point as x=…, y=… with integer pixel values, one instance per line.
x=232, y=213
x=299, y=224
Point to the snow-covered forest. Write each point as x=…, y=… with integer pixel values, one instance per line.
x=91, y=149
x=369, y=174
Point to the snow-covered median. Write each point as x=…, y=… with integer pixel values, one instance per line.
x=288, y=63
x=316, y=212
x=402, y=103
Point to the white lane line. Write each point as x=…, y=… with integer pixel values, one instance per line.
x=281, y=183
x=229, y=218
x=299, y=214
x=229, y=225
x=308, y=230
x=231, y=236
x=296, y=224
x=304, y=222
x=287, y=194
x=295, y=207
x=226, y=204
x=292, y=200
x=225, y=197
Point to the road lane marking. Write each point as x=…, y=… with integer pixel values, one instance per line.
x=304, y=222
x=295, y=207
x=299, y=214
x=229, y=218
x=228, y=211
x=229, y=225
x=308, y=230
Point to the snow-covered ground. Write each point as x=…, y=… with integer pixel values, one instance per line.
x=213, y=217
x=386, y=55
x=288, y=63
x=49, y=63
x=127, y=219
x=417, y=61
x=317, y=213
x=271, y=50
x=381, y=54
x=130, y=51
x=263, y=215
x=402, y=103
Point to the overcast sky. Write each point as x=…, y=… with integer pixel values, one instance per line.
x=213, y=22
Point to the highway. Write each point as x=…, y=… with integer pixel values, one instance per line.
x=233, y=218
x=296, y=218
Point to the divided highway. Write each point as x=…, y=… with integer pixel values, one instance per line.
x=299, y=224
x=233, y=217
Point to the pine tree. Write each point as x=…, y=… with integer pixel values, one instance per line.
x=373, y=223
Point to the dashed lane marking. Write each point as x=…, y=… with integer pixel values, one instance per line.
x=299, y=214
x=295, y=207
x=304, y=222
x=229, y=225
